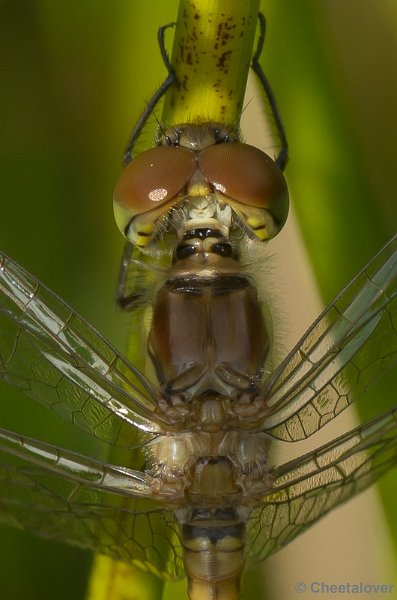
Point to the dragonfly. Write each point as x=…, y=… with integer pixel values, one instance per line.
x=205, y=493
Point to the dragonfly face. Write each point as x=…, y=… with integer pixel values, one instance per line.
x=196, y=171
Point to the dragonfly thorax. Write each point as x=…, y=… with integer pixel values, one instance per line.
x=207, y=333
x=211, y=469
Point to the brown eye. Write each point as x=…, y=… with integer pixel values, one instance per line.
x=151, y=180
x=247, y=175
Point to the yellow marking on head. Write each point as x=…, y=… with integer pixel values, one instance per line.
x=199, y=188
x=145, y=229
x=259, y=228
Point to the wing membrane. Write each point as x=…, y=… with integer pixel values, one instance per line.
x=64, y=496
x=308, y=487
x=55, y=356
x=349, y=346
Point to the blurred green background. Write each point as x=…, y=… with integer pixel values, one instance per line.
x=74, y=78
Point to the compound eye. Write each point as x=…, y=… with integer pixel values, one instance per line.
x=150, y=183
x=252, y=182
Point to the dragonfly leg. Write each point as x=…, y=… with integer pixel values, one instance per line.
x=169, y=80
x=124, y=300
x=282, y=157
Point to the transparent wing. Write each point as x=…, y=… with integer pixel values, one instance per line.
x=349, y=346
x=64, y=496
x=56, y=357
x=307, y=488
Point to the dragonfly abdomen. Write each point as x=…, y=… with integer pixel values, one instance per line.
x=213, y=543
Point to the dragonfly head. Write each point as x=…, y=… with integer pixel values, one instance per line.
x=199, y=171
